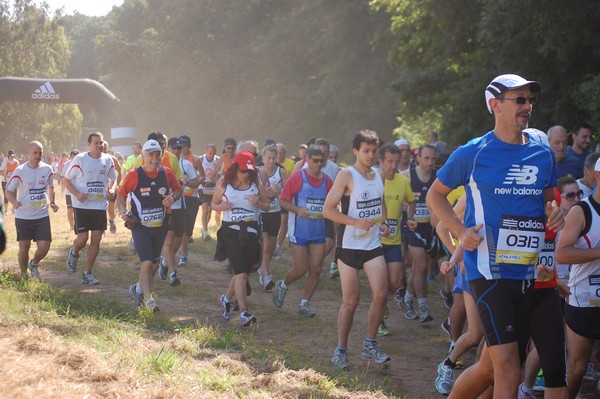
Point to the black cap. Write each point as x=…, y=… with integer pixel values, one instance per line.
x=230, y=141
x=175, y=142
x=11, y=152
x=270, y=142
x=158, y=136
x=185, y=140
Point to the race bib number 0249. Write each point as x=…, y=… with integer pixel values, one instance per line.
x=520, y=240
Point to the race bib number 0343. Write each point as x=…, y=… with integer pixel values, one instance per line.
x=520, y=240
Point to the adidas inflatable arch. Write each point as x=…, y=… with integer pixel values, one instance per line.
x=76, y=91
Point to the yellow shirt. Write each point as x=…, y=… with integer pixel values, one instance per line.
x=456, y=195
x=396, y=191
x=288, y=165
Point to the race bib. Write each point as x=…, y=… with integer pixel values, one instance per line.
x=95, y=190
x=520, y=240
x=393, y=225
x=546, y=257
x=314, y=206
x=152, y=217
x=594, y=280
x=242, y=214
x=37, y=197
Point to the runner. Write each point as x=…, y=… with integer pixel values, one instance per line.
x=239, y=195
x=209, y=163
x=112, y=198
x=9, y=164
x=508, y=179
x=578, y=244
x=68, y=201
x=397, y=191
x=152, y=188
x=273, y=178
x=177, y=220
x=91, y=178
x=130, y=161
x=28, y=190
x=303, y=196
x=361, y=191
x=420, y=236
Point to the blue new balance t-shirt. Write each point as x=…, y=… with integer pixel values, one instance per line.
x=505, y=186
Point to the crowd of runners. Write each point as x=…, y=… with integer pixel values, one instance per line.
x=510, y=219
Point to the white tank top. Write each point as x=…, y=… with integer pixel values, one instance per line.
x=584, y=279
x=187, y=170
x=31, y=186
x=365, y=202
x=242, y=210
x=91, y=176
x=275, y=181
x=209, y=171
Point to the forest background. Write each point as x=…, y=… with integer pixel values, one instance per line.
x=290, y=70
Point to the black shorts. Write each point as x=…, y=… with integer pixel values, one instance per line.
x=329, y=230
x=356, y=258
x=271, y=222
x=583, y=321
x=206, y=198
x=192, y=204
x=177, y=222
x=548, y=334
x=33, y=229
x=148, y=242
x=89, y=220
x=68, y=201
x=421, y=237
x=242, y=254
x=504, y=308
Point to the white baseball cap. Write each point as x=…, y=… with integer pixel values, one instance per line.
x=506, y=82
x=151, y=146
x=537, y=135
x=400, y=142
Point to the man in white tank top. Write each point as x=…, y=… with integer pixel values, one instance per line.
x=28, y=190
x=360, y=190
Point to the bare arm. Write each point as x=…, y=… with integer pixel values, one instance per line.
x=565, y=248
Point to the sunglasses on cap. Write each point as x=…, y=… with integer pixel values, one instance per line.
x=521, y=100
x=570, y=196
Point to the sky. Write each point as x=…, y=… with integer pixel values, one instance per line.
x=87, y=7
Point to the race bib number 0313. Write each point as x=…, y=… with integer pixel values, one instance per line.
x=520, y=240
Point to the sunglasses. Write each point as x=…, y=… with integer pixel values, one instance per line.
x=318, y=160
x=521, y=100
x=572, y=194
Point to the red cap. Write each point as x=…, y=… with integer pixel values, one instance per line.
x=245, y=160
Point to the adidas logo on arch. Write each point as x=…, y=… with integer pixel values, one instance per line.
x=45, y=92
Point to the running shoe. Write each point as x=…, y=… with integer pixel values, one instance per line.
x=163, y=269
x=174, y=280
x=234, y=306
x=35, y=271
x=224, y=308
x=305, y=310
x=334, y=272
x=446, y=328
x=138, y=298
x=445, y=379
x=382, y=330
x=447, y=297
x=424, y=315
x=151, y=305
x=340, y=359
x=269, y=283
x=540, y=382
x=591, y=374
x=399, y=295
x=277, y=252
x=72, y=261
x=246, y=319
x=132, y=249
x=113, y=226
x=205, y=236
x=279, y=294
x=524, y=393
x=371, y=350
x=410, y=313
x=89, y=279
x=261, y=279
x=459, y=364
x=183, y=260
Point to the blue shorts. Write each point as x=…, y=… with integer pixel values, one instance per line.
x=149, y=241
x=305, y=243
x=461, y=284
x=392, y=253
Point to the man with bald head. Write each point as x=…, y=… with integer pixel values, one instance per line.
x=565, y=165
x=30, y=190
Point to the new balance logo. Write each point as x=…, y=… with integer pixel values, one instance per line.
x=45, y=92
x=525, y=175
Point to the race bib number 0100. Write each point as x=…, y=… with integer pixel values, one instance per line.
x=520, y=240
